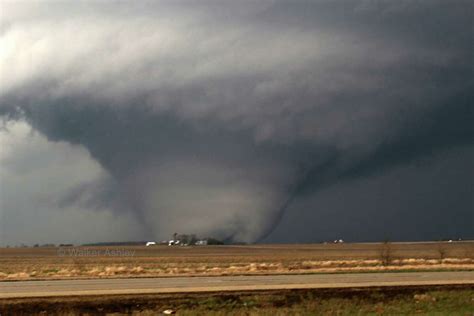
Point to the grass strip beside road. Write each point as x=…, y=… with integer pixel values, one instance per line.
x=422, y=300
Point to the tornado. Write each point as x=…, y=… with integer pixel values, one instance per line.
x=215, y=118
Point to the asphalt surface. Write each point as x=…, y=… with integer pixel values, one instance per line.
x=227, y=283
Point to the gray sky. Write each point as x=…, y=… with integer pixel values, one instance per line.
x=274, y=121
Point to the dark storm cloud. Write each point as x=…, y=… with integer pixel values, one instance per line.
x=429, y=200
x=214, y=118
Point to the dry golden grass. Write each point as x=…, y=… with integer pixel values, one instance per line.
x=98, y=262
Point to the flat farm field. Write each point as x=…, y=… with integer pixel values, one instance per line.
x=141, y=261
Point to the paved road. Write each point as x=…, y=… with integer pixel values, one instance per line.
x=227, y=283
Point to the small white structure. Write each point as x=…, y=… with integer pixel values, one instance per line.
x=202, y=242
x=150, y=243
x=173, y=242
